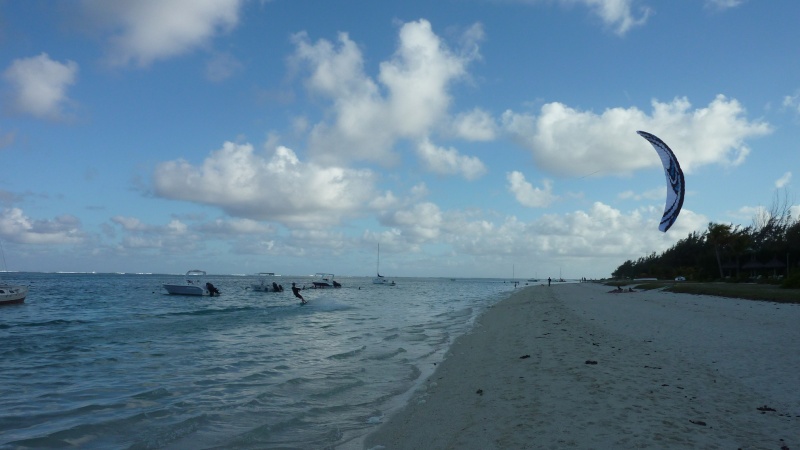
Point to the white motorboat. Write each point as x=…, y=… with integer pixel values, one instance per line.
x=266, y=283
x=324, y=280
x=380, y=279
x=195, y=285
x=10, y=295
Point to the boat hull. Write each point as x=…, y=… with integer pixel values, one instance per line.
x=264, y=288
x=181, y=289
x=195, y=285
x=324, y=281
x=267, y=283
x=12, y=295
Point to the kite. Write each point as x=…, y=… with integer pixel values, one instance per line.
x=675, y=183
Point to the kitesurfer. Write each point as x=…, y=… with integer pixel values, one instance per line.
x=296, y=292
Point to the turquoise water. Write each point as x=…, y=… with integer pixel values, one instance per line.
x=112, y=361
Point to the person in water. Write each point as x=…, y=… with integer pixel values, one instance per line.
x=296, y=292
x=212, y=291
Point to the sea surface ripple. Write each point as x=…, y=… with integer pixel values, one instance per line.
x=112, y=361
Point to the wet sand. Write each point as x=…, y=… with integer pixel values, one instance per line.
x=574, y=366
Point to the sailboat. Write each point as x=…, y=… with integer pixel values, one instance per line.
x=380, y=279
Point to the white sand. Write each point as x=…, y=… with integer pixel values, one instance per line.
x=672, y=371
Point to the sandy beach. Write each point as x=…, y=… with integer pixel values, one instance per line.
x=574, y=366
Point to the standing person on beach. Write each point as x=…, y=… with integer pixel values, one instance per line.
x=548, y=281
x=296, y=292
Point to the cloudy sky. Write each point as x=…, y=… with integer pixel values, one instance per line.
x=466, y=137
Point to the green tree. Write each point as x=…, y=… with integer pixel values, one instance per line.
x=719, y=236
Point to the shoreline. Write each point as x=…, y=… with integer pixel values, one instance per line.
x=574, y=366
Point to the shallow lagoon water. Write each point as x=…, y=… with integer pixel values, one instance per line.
x=112, y=361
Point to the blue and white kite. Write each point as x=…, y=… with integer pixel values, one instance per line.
x=675, y=183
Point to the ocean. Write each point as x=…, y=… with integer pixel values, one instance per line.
x=113, y=361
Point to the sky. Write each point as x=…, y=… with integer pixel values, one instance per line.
x=455, y=138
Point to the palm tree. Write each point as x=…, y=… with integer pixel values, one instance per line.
x=719, y=235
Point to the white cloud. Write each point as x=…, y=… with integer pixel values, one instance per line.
x=448, y=161
x=177, y=227
x=174, y=237
x=792, y=102
x=476, y=125
x=652, y=194
x=616, y=14
x=583, y=240
x=409, y=100
x=39, y=86
x=275, y=187
x=222, y=66
x=420, y=223
x=129, y=223
x=748, y=213
x=148, y=30
x=526, y=194
x=15, y=226
x=419, y=190
x=568, y=141
x=784, y=180
x=723, y=4
x=236, y=227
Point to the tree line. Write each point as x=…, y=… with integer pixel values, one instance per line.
x=767, y=250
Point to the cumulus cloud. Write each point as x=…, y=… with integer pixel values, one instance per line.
x=408, y=100
x=526, y=194
x=15, y=226
x=568, y=141
x=420, y=223
x=448, y=161
x=275, y=187
x=475, y=125
x=39, y=86
x=600, y=236
x=784, y=180
x=148, y=30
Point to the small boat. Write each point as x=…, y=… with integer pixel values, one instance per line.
x=10, y=295
x=324, y=280
x=195, y=285
x=266, y=283
x=380, y=279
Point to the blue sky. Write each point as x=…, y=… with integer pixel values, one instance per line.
x=467, y=137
